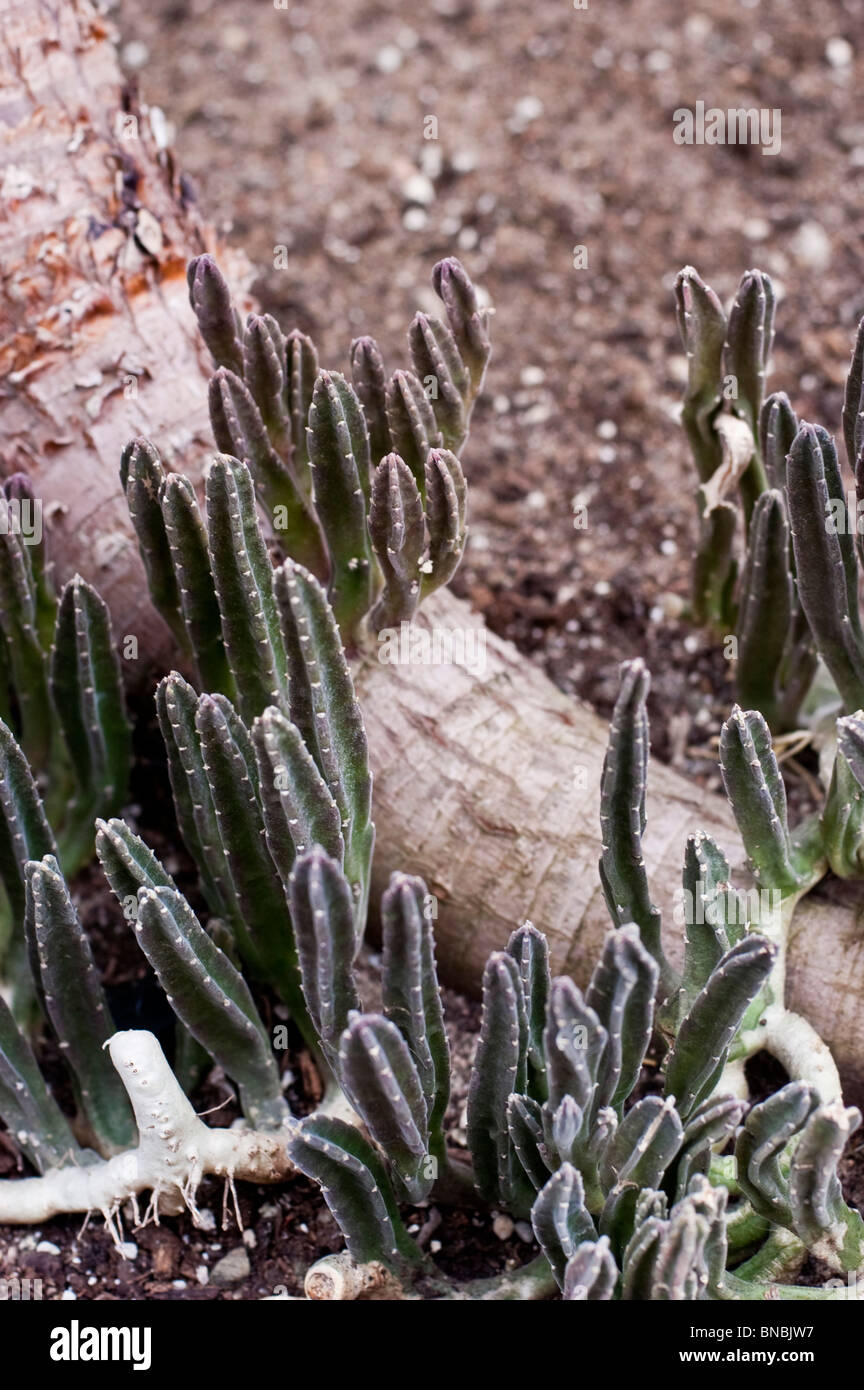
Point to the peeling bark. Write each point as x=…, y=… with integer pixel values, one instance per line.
x=96, y=340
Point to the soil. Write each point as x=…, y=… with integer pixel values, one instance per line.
x=305, y=128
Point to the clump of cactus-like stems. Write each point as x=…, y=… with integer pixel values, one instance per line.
x=63, y=723
x=714, y=913
x=796, y=598
x=280, y=766
x=360, y=481
x=249, y=801
x=776, y=571
x=630, y=1196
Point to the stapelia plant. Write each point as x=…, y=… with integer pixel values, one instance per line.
x=798, y=592
x=739, y=442
x=796, y=597
x=785, y=864
x=248, y=802
x=360, y=482
x=627, y=1197
x=61, y=695
x=249, y=799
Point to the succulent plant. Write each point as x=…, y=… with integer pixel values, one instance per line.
x=249, y=800
x=797, y=597
x=626, y=1196
x=826, y=555
x=739, y=441
x=279, y=766
x=626, y=1201
x=359, y=480
x=61, y=694
x=630, y=1195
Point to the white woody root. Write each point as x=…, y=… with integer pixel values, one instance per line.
x=175, y=1152
x=796, y=1045
x=338, y=1278
x=807, y=1057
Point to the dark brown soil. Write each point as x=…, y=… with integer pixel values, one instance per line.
x=304, y=128
x=284, y=1229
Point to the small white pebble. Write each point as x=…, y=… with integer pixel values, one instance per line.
x=811, y=245
x=463, y=162
x=673, y=605
x=526, y=110
x=532, y=376
x=756, y=228
x=658, y=61
x=389, y=58
x=607, y=429
x=47, y=1247
x=135, y=54
x=418, y=188
x=503, y=1226
x=839, y=52
x=537, y=414
x=698, y=26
